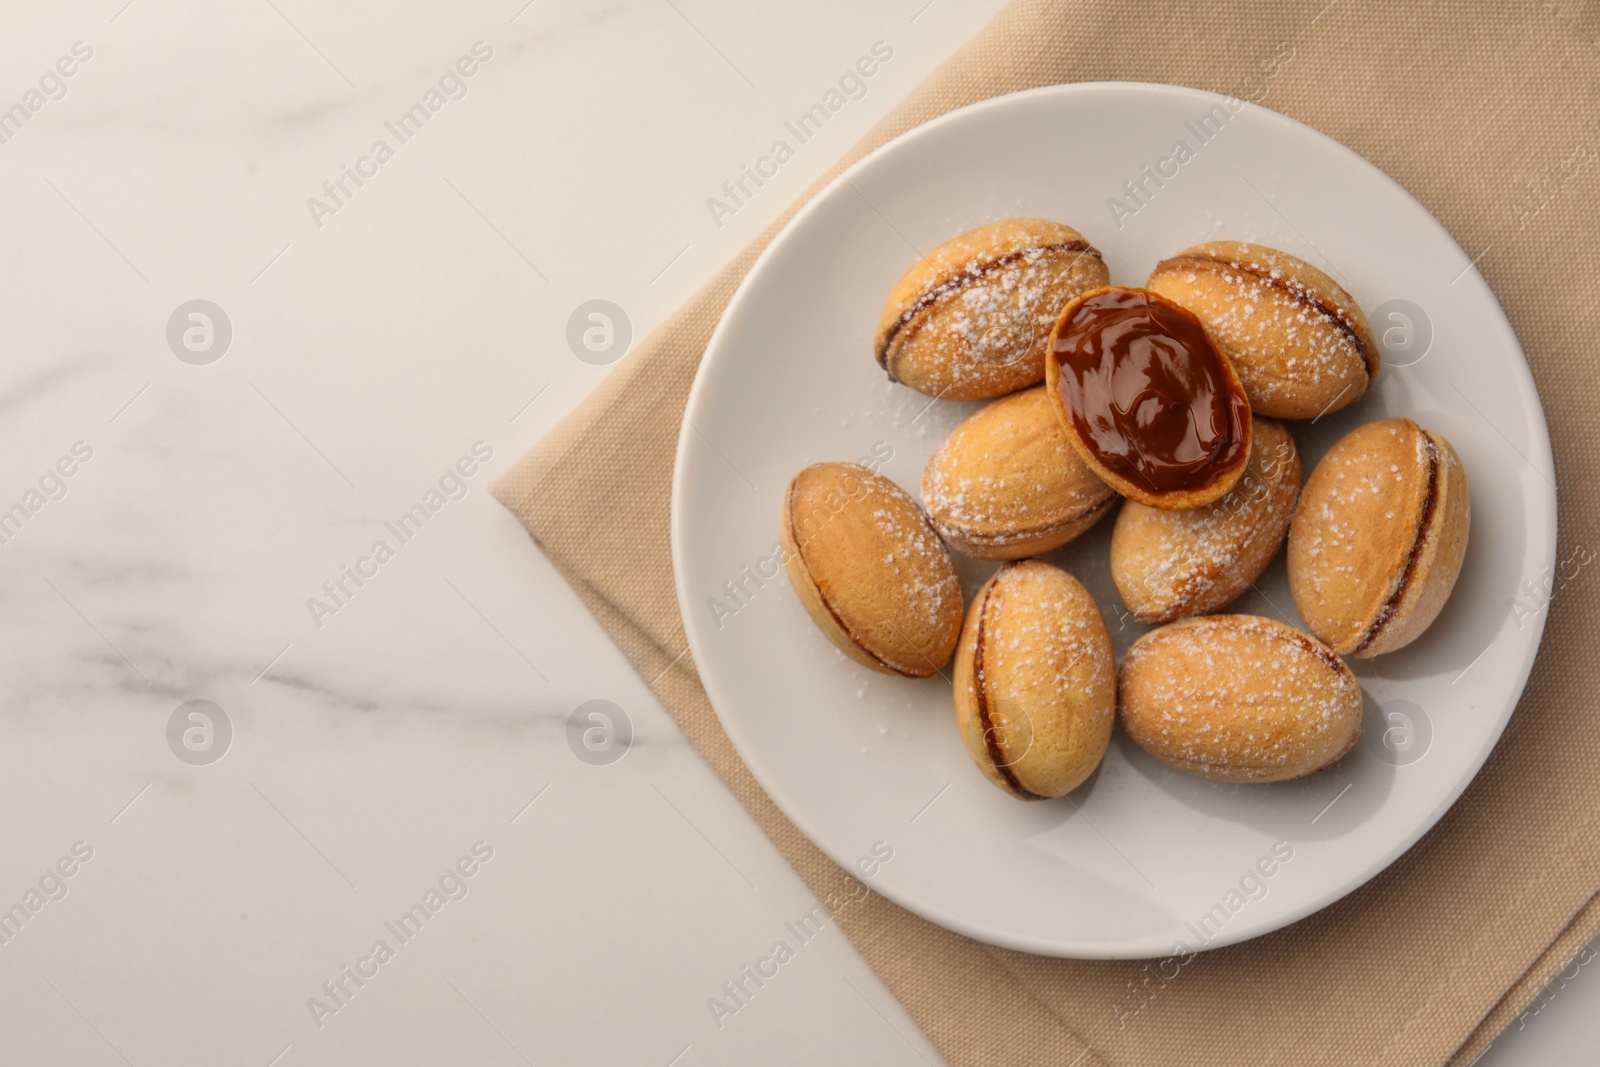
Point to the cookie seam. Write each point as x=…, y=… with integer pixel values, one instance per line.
x=1430, y=509
x=1258, y=528
x=822, y=598
x=999, y=540
x=981, y=695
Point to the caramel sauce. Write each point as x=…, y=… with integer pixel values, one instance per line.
x=1148, y=393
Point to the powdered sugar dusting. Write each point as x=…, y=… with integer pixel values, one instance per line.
x=879, y=569
x=1293, y=347
x=1048, y=678
x=1355, y=526
x=1008, y=475
x=979, y=322
x=914, y=557
x=1239, y=697
x=1168, y=564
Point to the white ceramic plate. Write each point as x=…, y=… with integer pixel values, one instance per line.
x=1142, y=859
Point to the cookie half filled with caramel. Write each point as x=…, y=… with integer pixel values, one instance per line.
x=1152, y=406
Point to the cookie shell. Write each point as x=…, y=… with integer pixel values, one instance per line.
x=1239, y=698
x=870, y=570
x=971, y=320
x=1035, y=681
x=1171, y=564
x=1301, y=345
x=1008, y=484
x=1172, y=499
x=1379, y=537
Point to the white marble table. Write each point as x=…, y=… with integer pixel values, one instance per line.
x=191, y=508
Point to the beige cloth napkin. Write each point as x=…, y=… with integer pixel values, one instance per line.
x=1487, y=113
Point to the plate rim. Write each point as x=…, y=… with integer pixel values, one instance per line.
x=750, y=756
